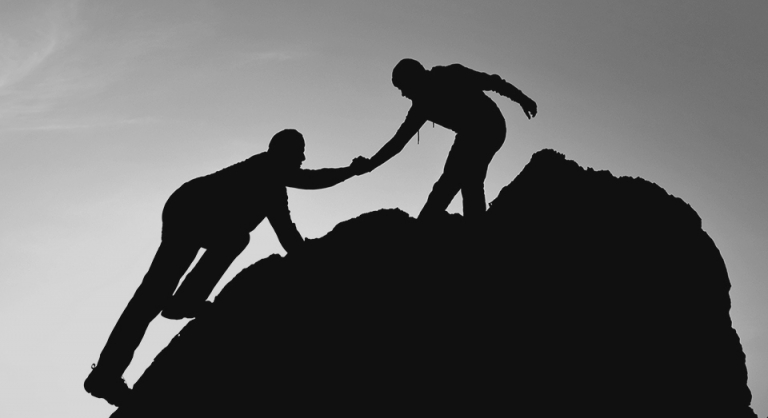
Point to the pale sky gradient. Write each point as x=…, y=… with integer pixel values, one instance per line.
x=106, y=107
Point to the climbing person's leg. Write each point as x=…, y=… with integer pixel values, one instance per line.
x=448, y=185
x=170, y=263
x=478, y=157
x=199, y=283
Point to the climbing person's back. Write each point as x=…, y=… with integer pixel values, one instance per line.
x=232, y=200
x=215, y=212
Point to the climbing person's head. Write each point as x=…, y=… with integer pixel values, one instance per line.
x=287, y=146
x=407, y=76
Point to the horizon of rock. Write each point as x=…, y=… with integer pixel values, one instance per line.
x=577, y=293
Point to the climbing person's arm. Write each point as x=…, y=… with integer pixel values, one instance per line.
x=325, y=177
x=407, y=130
x=499, y=85
x=280, y=218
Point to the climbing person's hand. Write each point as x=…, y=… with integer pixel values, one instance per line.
x=529, y=107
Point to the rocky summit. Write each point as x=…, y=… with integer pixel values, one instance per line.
x=577, y=294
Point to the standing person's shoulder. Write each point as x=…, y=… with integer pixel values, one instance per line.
x=452, y=74
x=449, y=69
x=440, y=70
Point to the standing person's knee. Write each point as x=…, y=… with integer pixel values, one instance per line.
x=441, y=196
x=493, y=139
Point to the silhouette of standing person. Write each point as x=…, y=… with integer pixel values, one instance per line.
x=216, y=212
x=453, y=97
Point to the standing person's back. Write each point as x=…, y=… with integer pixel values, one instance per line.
x=453, y=97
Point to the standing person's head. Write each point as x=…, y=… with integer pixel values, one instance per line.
x=287, y=147
x=407, y=76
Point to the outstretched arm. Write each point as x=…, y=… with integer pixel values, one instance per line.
x=407, y=130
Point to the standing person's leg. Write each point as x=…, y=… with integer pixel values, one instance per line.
x=476, y=168
x=199, y=283
x=448, y=184
x=169, y=265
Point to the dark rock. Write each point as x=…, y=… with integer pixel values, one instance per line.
x=578, y=294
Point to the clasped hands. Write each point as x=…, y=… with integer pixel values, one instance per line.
x=361, y=165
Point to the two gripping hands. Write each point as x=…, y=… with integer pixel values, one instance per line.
x=361, y=165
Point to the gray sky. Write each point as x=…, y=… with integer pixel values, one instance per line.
x=106, y=107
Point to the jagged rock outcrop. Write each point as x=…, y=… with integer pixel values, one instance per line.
x=578, y=294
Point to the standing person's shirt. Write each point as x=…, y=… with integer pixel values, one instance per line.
x=453, y=97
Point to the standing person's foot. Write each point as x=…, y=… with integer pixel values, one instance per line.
x=112, y=389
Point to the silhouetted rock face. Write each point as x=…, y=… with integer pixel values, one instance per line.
x=579, y=294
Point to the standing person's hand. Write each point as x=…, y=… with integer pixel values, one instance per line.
x=529, y=107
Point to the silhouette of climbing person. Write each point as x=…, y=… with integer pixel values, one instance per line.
x=453, y=96
x=215, y=212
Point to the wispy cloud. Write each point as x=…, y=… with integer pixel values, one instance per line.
x=101, y=122
x=272, y=56
x=27, y=42
x=26, y=49
x=17, y=60
x=57, y=58
x=68, y=62
x=276, y=55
